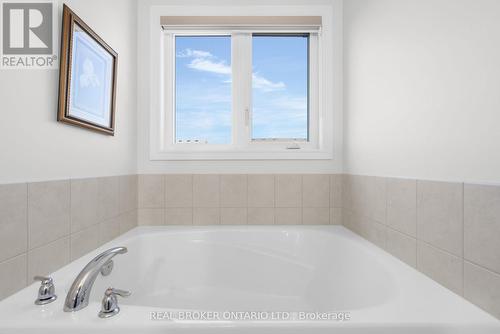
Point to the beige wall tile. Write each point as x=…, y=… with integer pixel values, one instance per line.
x=109, y=229
x=440, y=215
x=107, y=206
x=13, y=275
x=288, y=189
x=347, y=192
x=179, y=216
x=206, y=216
x=48, y=212
x=443, y=267
x=45, y=260
x=482, y=287
x=261, y=191
x=374, y=232
x=85, y=241
x=482, y=225
x=336, y=216
x=128, y=221
x=402, y=205
x=206, y=192
x=179, y=191
x=315, y=191
x=151, y=217
x=315, y=216
x=84, y=203
x=233, y=216
x=336, y=185
x=374, y=198
x=233, y=191
x=260, y=216
x=288, y=216
x=128, y=188
x=356, y=190
x=13, y=220
x=151, y=191
x=351, y=220
x=402, y=246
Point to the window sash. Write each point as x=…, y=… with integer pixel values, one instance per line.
x=241, y=65
x=308, y=111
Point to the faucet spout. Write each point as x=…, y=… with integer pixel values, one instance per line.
x=79, y=293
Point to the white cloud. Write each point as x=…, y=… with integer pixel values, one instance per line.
x=188, y=53
x=265, y=84
x=202, y=64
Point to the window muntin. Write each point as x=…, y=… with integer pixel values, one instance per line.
x=280, y=87
x=202, y=109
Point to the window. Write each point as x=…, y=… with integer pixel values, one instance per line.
x=241, y=91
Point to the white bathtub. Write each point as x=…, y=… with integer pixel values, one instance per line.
x=284, y=272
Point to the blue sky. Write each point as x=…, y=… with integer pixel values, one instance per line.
x=203, y=88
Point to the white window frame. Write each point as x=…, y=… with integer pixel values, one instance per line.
x=319, y=146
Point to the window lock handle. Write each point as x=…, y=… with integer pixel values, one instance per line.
x=247, y=116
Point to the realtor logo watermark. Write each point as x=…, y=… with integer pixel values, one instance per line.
x=257, y=316
x=28, y=34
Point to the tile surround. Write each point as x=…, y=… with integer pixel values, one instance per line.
x=49, y=208
x=13, y=275
x=402, y=246
x=179, y=216
x=233, y=191
x=441, y=266
x=260, y=191
x=402, y=206
x=206, y=191
x=482, y=225
x=45, y=225
x=448, y=231
x=13, y=220
x=238, y=199
x=482, y=287
x=84, y=201
x=440, y=215
x=288, y=191
x=178, y=191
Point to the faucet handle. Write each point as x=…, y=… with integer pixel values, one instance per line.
x=110, y=302
x=118, y=292
x=43, y=279
x=47, y=290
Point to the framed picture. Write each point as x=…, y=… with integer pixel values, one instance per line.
x=87, y=78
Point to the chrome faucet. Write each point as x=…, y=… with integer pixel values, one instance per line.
x=79, y=293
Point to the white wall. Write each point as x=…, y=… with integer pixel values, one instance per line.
x=422, y=88
x=145, y=165
x=33, y=146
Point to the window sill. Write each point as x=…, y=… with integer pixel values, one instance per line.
x=301, y=154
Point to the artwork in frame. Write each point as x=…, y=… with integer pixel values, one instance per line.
x=87, y=78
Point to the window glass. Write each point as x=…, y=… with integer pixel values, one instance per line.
x=280, y=87
x=203, y=89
